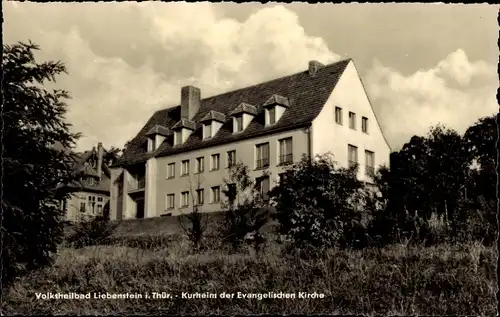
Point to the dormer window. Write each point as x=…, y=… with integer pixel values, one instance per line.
x=182, y=131
x=238, y=123
x=156, y=135
x=272, y=115
x=212, y=122
x=207, y=131
x=274, y=109
x=178, y=137
x=242, y=116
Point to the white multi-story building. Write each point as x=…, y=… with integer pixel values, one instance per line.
x=182, y=154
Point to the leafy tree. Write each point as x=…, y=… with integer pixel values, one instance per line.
x=429, y=174
x=317, y=204
x=35, y=162
x=112, y=155
x=195, y=222
x=244, y=208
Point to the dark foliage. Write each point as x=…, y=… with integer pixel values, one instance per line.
x=195, y=222
x=318, y=205
x=91, y=232
x=36, y=160
x=244, y=212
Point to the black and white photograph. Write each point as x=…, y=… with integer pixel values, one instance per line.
x=175, y=158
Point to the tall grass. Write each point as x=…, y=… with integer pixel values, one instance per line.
x=399, y=279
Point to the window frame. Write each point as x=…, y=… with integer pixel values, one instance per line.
x=198, y=165
x=212, y=168
x=352, y=120
x=212, y=195
x=338, y=115
x=171, y=175
x=349, y=161
x=167, y=204
x=364, y=125
x=287, y=158
x=262, y=162
x=185, y=171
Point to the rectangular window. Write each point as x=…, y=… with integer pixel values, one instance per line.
x=185, y=168
x=207, y=131
x=215, y=194
x=239, y=123
x=231, y=158
x=352, y=120
x=99, y=199
x=283, y=177
x=286, y=151
x=262, y=184
x=184, y=199
x=338, y=115
x=200, y=197
x=83, y=207
x=170, y=201
x=177, y=137
x=171, y=170
x=153, y=143
x=352, y=157
x=215, y=162
x=99, y=209
x=200, y=164
x=364, y=124
x=272, y=115
x=262, y=155
x=370, y=163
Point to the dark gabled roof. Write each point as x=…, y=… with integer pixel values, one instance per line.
x=185, y=123
x=84, y=170
x=306, y=95
x=214, y=115
x=244, y=108
x=158, y=129
x=277, y=100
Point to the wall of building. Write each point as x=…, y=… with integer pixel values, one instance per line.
x=328, y=136
x=245, y=153
x=73, y=204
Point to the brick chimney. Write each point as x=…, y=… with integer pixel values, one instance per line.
x=313, y=67
x=100, y=156
x=190, y=101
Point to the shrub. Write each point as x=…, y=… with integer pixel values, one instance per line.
x=91, y=232
x=318, y=205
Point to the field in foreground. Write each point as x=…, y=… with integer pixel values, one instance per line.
x=440, y=280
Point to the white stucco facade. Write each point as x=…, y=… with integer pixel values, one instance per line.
x=329, y=136
x=322, y=136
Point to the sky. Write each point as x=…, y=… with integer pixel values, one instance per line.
x=422, y=64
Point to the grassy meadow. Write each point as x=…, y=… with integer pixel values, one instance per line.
x=399, y=279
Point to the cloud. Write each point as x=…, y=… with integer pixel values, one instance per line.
x=456, y=92
x=127, y=60
x=120, y=73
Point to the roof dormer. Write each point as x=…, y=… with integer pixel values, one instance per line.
x=242, y=116
x=274, y=108
x=182, y=131
x=211, y=123
x=156, y=135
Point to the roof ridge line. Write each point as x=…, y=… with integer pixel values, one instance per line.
x=260, y=83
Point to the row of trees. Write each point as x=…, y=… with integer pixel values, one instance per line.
x=442, y=176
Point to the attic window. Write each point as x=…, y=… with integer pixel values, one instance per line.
x=238, y=123
x=207, y=131
x=153, y=144
x=177, y=137
x=272, y=115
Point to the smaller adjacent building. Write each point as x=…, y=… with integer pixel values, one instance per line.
x=89, y=195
